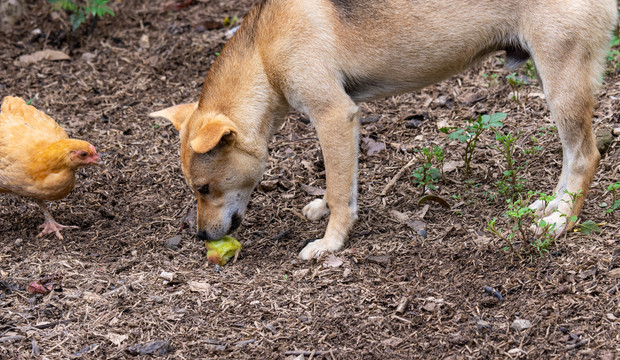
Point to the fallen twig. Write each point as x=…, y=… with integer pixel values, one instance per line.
x=53, y=323
x=400, y=173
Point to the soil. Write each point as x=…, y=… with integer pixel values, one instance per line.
x=392, y=293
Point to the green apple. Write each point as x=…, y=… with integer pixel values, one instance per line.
x=222, y=250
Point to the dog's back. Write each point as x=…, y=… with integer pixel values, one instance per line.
x=387, y=47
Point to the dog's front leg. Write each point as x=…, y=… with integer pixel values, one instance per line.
x=337, y=130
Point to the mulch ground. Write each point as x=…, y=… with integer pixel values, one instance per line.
x=391, y=293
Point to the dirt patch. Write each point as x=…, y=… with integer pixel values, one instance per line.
x=391, y=293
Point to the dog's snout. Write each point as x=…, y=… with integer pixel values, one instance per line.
x=235, y=221
x=202, y=235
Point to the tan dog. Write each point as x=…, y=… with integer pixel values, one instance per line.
x=324, y=57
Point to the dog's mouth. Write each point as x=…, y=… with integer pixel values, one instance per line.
x=235, y=222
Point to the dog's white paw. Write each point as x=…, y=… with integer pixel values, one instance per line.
x=556, y=222
x=537, y=207
x=553, y=217
x=315, y=210
x=540, y=210
x=319, y=247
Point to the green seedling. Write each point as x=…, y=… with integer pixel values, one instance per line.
x=516, y=82
x=613, y=55
x=231, y=21
x=470, y=134
x=426, y=175
x=520, y=218
x=81, y=10
x=530, y=69
x=492, y=79
x=614, y=189
x=512, y=185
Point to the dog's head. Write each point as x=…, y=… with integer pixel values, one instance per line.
x=216, y=166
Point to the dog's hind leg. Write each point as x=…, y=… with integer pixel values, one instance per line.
x=337, y=124
x=569, y=63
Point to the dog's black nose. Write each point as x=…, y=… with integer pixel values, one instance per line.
x=235, y=221
x=202, y=235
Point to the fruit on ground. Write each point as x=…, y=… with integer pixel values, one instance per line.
x=222, y=250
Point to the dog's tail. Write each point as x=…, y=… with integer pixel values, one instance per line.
x=516, y=56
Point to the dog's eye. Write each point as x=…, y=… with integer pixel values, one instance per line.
x=204, y=189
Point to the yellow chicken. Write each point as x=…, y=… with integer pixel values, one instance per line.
x=37, y=158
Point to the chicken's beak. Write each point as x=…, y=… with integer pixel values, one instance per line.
x=97, y=161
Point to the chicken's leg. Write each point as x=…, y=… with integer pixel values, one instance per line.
x=50, y=225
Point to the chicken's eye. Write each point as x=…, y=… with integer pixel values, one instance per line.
x=204, y=189
x=83, y=154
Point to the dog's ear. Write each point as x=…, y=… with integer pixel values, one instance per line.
x=176, y=114
x=220, y=129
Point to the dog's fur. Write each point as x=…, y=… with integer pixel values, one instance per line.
x=324, y=57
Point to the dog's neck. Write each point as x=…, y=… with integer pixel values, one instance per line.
x=238, y=87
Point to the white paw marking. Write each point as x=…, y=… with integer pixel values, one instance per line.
x=554, y=215
x=557, y=218
x=315, y=210
x=319, y=247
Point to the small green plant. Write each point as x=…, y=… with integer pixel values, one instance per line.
x=530, y=69
x=516, y=82
x=470, y=134
x=82, y=10
x=614, y=189
x=537, y=148
x=231, y=21
x=521, y=217
x=613, y=55
x=426, y=175
x=512, y=185
x=492, y=79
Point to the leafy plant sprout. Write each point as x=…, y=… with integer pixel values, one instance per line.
x=470, y=134
x=513, y=184
x=613, y=55
x=521, y=217
x=614, y=189
x=516, y=82
x=426, y=175
x=530, y=69
x=492, y=79
x=82, y=10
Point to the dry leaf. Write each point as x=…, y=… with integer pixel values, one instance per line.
x=116, y=339
x=393, y=341
x=429, y=306
x=443, y=124
x=416, y=225
x=42, y=55
x=371, y=146
x=333, y=261
x=144, y=41
x=91, y=297
x=300, y=273
x=452, y=165
x=400, y=217
x=615, y=273
x=197, y=286
x=434, y=198
x=167, y=275
x=536, y=95
x=314, y=191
